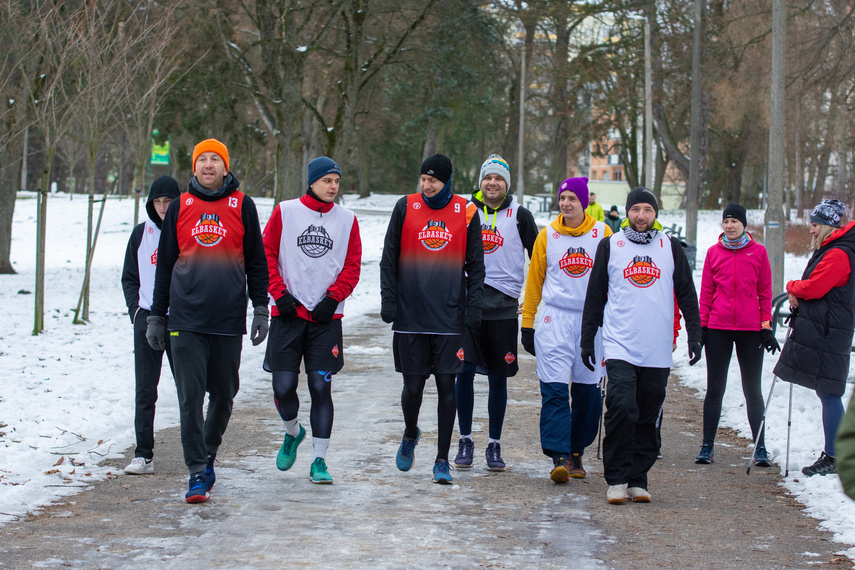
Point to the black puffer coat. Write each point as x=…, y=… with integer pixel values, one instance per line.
x=816, y=354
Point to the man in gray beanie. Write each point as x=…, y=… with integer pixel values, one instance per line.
x=507, y=231
x=642, y=269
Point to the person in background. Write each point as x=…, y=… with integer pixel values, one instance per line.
x=210, y=258
x=314, y=256
x=594, y=209
x=138, y=286
x=822, y=304
x=613, y=219
x=571, y=401
x=431, y=288
x=736, y=310
x=507, y=231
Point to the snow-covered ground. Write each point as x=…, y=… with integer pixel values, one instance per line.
x=67, y=396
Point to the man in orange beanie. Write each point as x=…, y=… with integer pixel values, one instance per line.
x=210, y=257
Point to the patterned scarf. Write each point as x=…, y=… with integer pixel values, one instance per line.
x=738, y=243
x=639, y=237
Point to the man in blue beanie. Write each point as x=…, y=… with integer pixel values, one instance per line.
x=309, y=284
x=431, y=285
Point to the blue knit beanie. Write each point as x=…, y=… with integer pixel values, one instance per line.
x=319, y=167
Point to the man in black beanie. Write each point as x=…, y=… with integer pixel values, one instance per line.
x=637, y=274
x=431, y=286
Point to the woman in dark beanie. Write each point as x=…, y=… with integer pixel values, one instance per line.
x=736, y=309
x=816, y=354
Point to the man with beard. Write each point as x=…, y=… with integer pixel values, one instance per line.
x=637, y=274
x=210, y=256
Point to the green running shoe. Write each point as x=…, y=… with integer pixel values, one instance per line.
x=318, y=472
x=288, y=453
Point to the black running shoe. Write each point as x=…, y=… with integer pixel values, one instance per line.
x=823, y=466
x=707, y=455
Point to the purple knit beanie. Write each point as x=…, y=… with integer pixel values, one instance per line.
x=578, y=186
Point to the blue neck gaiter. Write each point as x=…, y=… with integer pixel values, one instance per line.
x=441, y=199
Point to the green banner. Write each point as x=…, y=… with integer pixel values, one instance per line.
x=159, y=152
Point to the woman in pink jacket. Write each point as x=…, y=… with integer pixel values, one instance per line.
x=736, y=309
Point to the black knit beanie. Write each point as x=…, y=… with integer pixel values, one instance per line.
x=736, y=212
x=438, y=166
x=639, y=195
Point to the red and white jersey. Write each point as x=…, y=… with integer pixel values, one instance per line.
x=312, y=250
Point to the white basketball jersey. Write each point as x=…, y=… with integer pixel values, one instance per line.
x=312, y=250
x=569, y=260
x=147, y=262
x=638, y=323
x=504, y=254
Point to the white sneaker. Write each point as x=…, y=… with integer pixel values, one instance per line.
x=616, y=494
x=638, y=495
x=140, y=466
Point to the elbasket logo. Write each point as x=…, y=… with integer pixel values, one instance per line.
x=509, y=357
x=208, y=231
x=576, y=262
x=491, y=238
x=641, y=271
x=460, y=354
x=434, y=235
x=315, y=241
x=335, y=350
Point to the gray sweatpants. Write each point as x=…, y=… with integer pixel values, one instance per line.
x=204, y=363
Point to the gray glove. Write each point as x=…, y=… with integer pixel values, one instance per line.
x=155, y=333
x=258, y=329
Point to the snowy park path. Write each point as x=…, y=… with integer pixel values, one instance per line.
x=376, y=516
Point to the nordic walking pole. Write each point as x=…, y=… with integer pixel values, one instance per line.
x=762, y=425
x=789, y=423
x=604, y=381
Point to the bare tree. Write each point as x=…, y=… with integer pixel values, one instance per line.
x=51, y=103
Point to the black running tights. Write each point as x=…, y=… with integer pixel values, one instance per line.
x=288, y=403
x=446, y=407
x=749, y=353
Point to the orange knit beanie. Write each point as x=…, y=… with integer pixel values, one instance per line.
x=211, y=145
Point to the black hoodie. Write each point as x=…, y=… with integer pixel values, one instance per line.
x=163, y=187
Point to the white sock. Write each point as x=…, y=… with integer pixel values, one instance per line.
x=491, y=440
x=469, y=436
x=292, y=427
x=320, y=444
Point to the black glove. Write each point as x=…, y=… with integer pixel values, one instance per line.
x=694, y=352
x=287, y=305
x=770, y=343
x=473, y=321
x=388, y=312
x=324, y=311
x=527, y=339
x=258, y=329
x=704, y=331
x=589, y=359
x=155, y=333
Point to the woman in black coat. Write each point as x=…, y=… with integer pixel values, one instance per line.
x=816, y=354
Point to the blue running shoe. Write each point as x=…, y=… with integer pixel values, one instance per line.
x=407, y=452
x=761, y=457
x=198, y=492
x=706, y=456
x=442, y=472
x=318, y=472
x=210, y=476
x=288, y=452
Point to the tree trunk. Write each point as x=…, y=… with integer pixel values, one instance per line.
x=41, y=233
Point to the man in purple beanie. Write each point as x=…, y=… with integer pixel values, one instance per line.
x=558, y=275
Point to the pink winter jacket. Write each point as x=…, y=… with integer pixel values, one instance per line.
x=736, y=288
